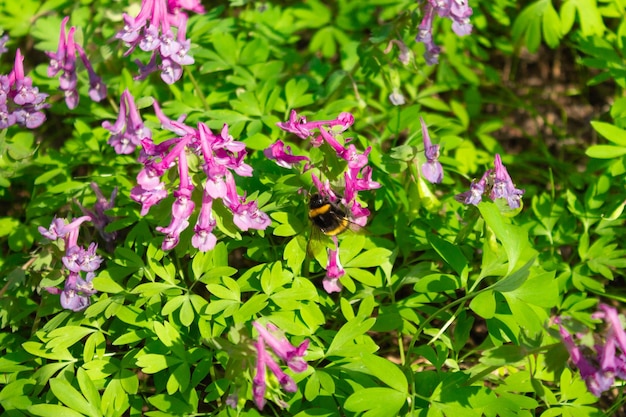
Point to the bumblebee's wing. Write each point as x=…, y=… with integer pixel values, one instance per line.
x=318, y=243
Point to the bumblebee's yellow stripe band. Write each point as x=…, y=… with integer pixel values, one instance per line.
x=342, y=226
x=318, y=211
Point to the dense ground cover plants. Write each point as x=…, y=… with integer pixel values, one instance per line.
x=376, y=208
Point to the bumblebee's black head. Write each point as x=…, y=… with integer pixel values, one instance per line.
x=317, y=201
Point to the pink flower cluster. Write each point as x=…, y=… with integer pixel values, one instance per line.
x=151, y=31
x=81, y=263
x=128, y=130
x=64, y=61
x=456, y=10
x=497, y=183
x=357, y=177
x=221, y=156
x=20, y=102
x=601, y=363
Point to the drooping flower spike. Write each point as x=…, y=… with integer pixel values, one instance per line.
x=20, y=102
x=220, y=157
x=503, y=186
x=334, y=271
x=458, y=11
x=431, y=169
x=293, y=356
x=603, y=361
x=128, y=130
x=282, y=155
x=80, y=263
x=151, y=31
x=64, y=61
x=496, y=183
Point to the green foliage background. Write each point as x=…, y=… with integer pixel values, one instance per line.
x=446, y=309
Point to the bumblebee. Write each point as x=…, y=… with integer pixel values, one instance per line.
x=327, y=216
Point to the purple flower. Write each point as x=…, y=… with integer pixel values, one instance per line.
x=604, y=360
x=248, y=216
x=56, y=230
x=456, y=10
x=299, y=126
x=77, y=291
x=334, y=271
x=204, y=239
x=181, y=209
x=170, y=71
x=476, y=191
x=276, y=340
x=503, y=186
x=3, y=43
x=193, y=5
x=64, y=61
x=282, y=155
x=20, y=102
x=397, y=98
x=259, y=383
x=97, y=89
x=497, y=183
x=219, y=156
x=270, y=335
x=60, y=229
x=357, y=176
x=232, y=400
x=152, y=31
x=431, y=169
x=128, y=130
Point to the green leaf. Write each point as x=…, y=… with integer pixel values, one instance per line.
x=484, y=304
x=438, y=283
x=106, y=284
x=386, y=371
x=590, y=18
x=201, y=263
x=69, y=396
x=605, y=151
x=514, y=280
x=295, y=253
x=37, y=349
x=52, y=410
x=524, y=315
x=152, y=363
x=223, y=293
x=541, y=290
x=551, y=26
x=251, y=307
x=88, y=389
x=376, y=402
x=173, y=304
x=187, y=314
x=611, y=132
x=514, y=239
x=170, y=404
x=312, y=387
x=348, y=333
x=449, y=252
x=369, y=259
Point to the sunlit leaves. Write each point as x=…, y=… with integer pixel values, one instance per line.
x=538, y=21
